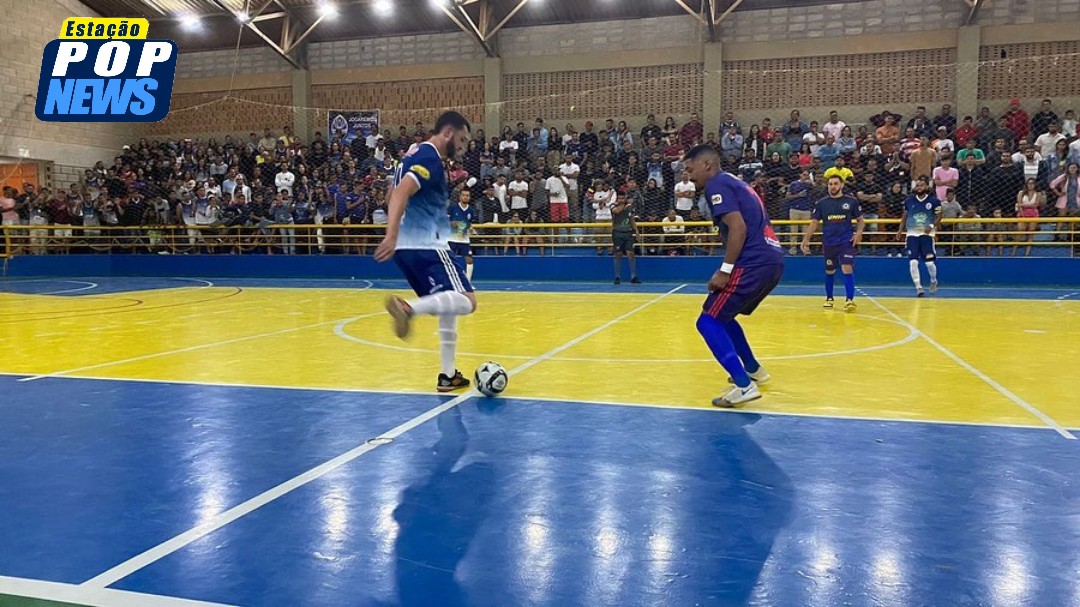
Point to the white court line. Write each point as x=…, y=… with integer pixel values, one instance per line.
x=1032, y=409
x=781, y=410
x=913, y=334
x=189, y=348
x=89, y=286
x=160, y=551
x=92, y=597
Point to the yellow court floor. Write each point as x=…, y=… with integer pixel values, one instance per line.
x=993, y=361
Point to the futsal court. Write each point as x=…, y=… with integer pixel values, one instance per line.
x=250, y=442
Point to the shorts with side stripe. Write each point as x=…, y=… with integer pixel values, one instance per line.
x=744, y=292
x=430, y=271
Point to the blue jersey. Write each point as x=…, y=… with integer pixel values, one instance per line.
x=461, y=221
x=836, y=215
x=425, y=224
x=921, y=213
x=728, y=194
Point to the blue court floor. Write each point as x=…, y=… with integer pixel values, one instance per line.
x=145, y=493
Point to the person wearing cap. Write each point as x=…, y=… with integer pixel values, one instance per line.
x=942, y=144
x=1016, y=120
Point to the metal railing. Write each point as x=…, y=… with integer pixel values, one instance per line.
x=1057, y=237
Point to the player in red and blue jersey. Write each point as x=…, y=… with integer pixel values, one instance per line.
x=417, y=233
x=752, y=267
x=835, y=214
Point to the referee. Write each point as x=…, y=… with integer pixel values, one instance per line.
x=623, y=231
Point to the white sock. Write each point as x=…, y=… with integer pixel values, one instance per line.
x=448, y=343
x=468, y=271
x=914, y=264
x=931, y=267
x=442, y=303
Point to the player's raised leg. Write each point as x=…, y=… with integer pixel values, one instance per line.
x=417, y=241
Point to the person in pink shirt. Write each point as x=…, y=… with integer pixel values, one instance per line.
x=945, y=176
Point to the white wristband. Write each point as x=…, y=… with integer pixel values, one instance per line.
x=727, y=268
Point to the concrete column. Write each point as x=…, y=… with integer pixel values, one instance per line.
x=968, y=41
x=492, y=95
x=712, y=111
x=301, y=98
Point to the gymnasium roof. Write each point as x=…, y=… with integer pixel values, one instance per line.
x=214, y=24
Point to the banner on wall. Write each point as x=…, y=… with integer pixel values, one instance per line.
x=350, y=124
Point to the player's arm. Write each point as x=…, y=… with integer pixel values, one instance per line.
x=399, y=199
x=937, y=219
x=860, y=225
x=810, y=230
x=736, y=237
x=903, y=222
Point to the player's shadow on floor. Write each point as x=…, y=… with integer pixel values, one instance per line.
x=438, y=516
x=743, y=508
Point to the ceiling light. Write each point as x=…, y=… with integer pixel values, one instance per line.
x=328, y=9
x=242, y=17
x=190, y=21
x=384, y=7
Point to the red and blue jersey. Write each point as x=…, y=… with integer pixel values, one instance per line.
x=729, y=194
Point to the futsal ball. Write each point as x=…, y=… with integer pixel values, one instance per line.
x=491, y=378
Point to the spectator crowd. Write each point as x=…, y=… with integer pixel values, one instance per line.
x=1014, y=165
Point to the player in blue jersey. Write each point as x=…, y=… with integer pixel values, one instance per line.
x=920, y=221
x=417, y=234
x=462, y=216
x=752, y=267
x=839, y=240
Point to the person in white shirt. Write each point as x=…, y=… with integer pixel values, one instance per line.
x=379, y=153
x=943, y=145
x=241, y=188
x=815, y=138
x=558, y=199
x=685, y=194
x=519, y=193
x=674, y=230
x=285, y=179
x=1047, y=142
x=501, y=193
x=834, y=127
x=603, y=199
x=569, y=172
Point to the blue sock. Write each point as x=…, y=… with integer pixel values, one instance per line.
x=742, y=347
x=849, y=285
x=830, y=280
x=716, y=337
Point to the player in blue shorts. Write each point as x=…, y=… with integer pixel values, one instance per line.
x=752, y=267
x=462, y=216
x=835, y=213
x=417, y=233
x=920, y=221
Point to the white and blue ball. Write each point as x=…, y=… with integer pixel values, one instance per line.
x=491, y=378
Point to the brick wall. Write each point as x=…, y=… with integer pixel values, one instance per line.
x=210, y=115
x=24, y=32
x=607, y=36
x=204, y=64
x=393, y=50
x=1008, y=12
x=405, y=102
x=628, y=93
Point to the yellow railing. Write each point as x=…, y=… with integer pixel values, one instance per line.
x=1049, y=236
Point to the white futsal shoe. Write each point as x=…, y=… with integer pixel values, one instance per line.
x=737, y=396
